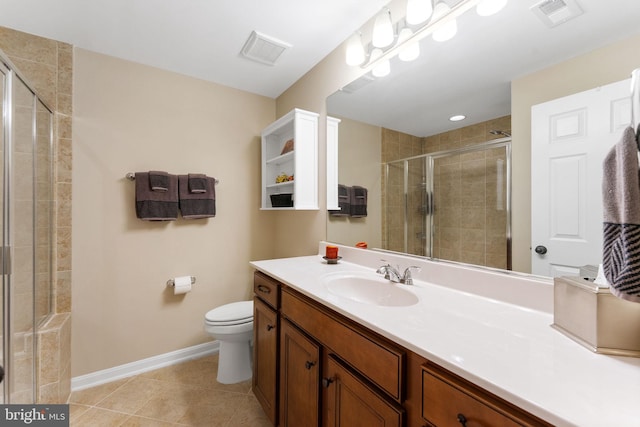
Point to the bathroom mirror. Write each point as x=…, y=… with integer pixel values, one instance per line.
x=473, y=74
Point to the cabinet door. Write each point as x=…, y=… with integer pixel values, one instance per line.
x=265, y=358
x=347, y=401
x=299, y=378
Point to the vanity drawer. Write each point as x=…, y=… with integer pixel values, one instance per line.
x=266, y=288
x=448, y=400
x=379, y=361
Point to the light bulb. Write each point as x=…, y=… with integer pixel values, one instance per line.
x=418, y=11
x=412, y=49
x=383, y=30
x=355, y=51
x=446, y=30
x=490, y=7
x=382, y=68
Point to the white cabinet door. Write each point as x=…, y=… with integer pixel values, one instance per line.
x=570, y=137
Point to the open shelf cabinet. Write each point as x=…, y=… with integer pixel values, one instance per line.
x=297, y=130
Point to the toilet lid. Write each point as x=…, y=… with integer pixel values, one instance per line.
x=233, y=313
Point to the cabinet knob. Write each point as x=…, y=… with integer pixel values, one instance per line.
x=326, y=382
x=264, y=289
x=270, y=327
x=309, y=364
x=462, y=420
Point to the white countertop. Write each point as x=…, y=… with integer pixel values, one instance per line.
x=507, y=348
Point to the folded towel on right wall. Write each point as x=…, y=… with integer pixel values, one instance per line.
x=196, y=205
x=621, y=204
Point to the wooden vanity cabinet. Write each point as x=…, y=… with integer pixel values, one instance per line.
x=315, y=367
x=447, y=400
x=266, y=333
x=350, y=401
x=299, y=378
x=360, y=374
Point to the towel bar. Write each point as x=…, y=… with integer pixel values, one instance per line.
x=172, y=283
x=132, y=177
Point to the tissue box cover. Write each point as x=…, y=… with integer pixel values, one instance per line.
x=595, y=318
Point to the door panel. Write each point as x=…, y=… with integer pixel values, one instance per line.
x=570, y=137
x=299, y=378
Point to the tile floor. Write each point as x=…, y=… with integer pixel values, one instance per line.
x=186, y=394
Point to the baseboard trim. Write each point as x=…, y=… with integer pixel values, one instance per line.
x=134, y=368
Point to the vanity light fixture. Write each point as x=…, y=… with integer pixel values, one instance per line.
x=490, y=7
x=382, y=68
x=419, y=11
x=410, y=51
x=383, y=34
x=355, y=50
x=441, y=25
x=449, y=29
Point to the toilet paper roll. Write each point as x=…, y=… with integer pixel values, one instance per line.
x=182, y=285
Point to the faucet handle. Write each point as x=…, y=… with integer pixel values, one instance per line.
x=406, y=277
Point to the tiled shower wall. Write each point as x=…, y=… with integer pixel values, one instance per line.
x=469, y=228
x=48, y=67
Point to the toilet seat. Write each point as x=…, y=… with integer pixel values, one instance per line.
x=236, y=313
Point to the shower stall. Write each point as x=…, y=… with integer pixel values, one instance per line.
x=451, y=205
x=26, y=248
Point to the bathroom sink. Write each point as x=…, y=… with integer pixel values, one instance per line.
x=368, y=289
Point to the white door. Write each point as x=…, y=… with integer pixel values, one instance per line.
x=570, y=137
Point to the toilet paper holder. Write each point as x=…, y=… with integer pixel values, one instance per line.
x=172, y=283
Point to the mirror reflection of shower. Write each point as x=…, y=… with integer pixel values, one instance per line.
x=451, y=204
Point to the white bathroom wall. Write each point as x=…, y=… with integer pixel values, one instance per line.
x=129, y=117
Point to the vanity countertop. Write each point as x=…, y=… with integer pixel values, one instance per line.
x=506, y=348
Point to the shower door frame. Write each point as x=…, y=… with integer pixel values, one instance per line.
x=11, y=73
x=428, y=170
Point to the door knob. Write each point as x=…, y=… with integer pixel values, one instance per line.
x=541, y=250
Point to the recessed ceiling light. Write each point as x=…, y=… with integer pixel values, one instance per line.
x=457, y=118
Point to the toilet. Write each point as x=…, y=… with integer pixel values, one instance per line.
x=232, y=325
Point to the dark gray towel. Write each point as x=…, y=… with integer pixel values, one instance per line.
x=358, y=201
x=197, y=205
x=156, y=205
x=344, y=201
x=197, y=183
x=621, y=204
x=159, y=180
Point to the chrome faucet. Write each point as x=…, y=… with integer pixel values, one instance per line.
x=394, y=275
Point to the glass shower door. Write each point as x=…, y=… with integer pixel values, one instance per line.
x=406, y=201
x=451, y=205
x=19, y=235
x=470, y=208
x=3, y=301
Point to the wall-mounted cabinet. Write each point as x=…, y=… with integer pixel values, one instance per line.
x=290, y=162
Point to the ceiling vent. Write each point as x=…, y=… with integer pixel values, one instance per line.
x=358, y=84
x=556, y=12
x=263, y=49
